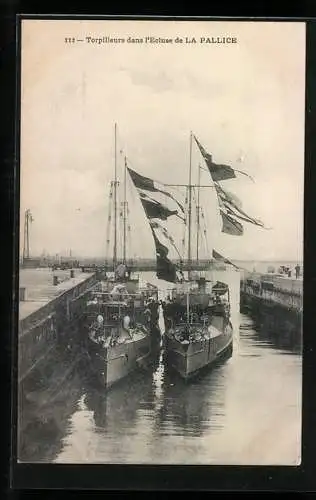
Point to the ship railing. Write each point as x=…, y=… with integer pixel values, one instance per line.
x=149, y=293
x=135, y=277
x=106, y=324
x=112, y=278
x=120, y=308
x=107, y=298
x=141, y=291
x=191, y=323
x=195, y=291
x=112, y=330
x=115, y=317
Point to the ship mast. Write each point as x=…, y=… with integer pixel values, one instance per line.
x=198, y=215
x=190, y=210
x=115, y=202
x=124, y=214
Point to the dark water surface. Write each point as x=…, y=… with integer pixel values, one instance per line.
x=246, y=410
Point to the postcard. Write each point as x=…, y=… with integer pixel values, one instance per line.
x=161, y=242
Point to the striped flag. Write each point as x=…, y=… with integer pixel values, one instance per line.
x=218, y=171
x=231, y=209
x=230, y=225
x=160, y=206
x=147, y=186
x=166, y=270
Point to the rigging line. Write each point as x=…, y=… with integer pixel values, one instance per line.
x=194, y=197
x=121, y=233
x=119, y=230
x=205, y=232
x=121, y=200
x=108, y=231
x=127, y=234
x=193, y=193
x=206, y=246
x=190, y=205
x=183, y=241
x=185, y=226
x=198, y=211
x=192, y=185
x=129, y=243
x=115, y=199
x=119, y=142
x=128, y=230
x=125, y=210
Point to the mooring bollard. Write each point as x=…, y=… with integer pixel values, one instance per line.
x=55, y=280
x=22, y=294
x=72, y=273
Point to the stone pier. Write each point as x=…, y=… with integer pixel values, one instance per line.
x=50, y=303
x=275, y=299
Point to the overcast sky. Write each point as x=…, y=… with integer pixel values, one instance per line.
x=244, y=101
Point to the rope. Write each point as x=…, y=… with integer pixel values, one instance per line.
x=205, y=232
x=185, y=224
x=108, y=229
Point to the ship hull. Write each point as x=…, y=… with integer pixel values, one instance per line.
x=189, y=360
x=114, y=363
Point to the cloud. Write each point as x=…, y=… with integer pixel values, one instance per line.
x=158, y=82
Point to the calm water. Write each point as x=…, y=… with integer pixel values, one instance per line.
x=246, y=410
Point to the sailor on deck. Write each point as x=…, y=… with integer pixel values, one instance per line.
x=120, y=272
x=126, y=322
x=147, y=314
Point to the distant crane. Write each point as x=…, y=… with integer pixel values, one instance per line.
x=28, y=219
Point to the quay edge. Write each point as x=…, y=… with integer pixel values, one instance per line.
x=50, y=322
x=49, y=347
x=275, y=301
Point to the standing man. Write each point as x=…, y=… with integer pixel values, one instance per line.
x=297, y=271
x=120, y=272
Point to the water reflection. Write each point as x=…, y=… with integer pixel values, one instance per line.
x=117, y=408
x=189, y=408
x=246, y=410
x=44, y=419
x=284, y=336
x=172, y=405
